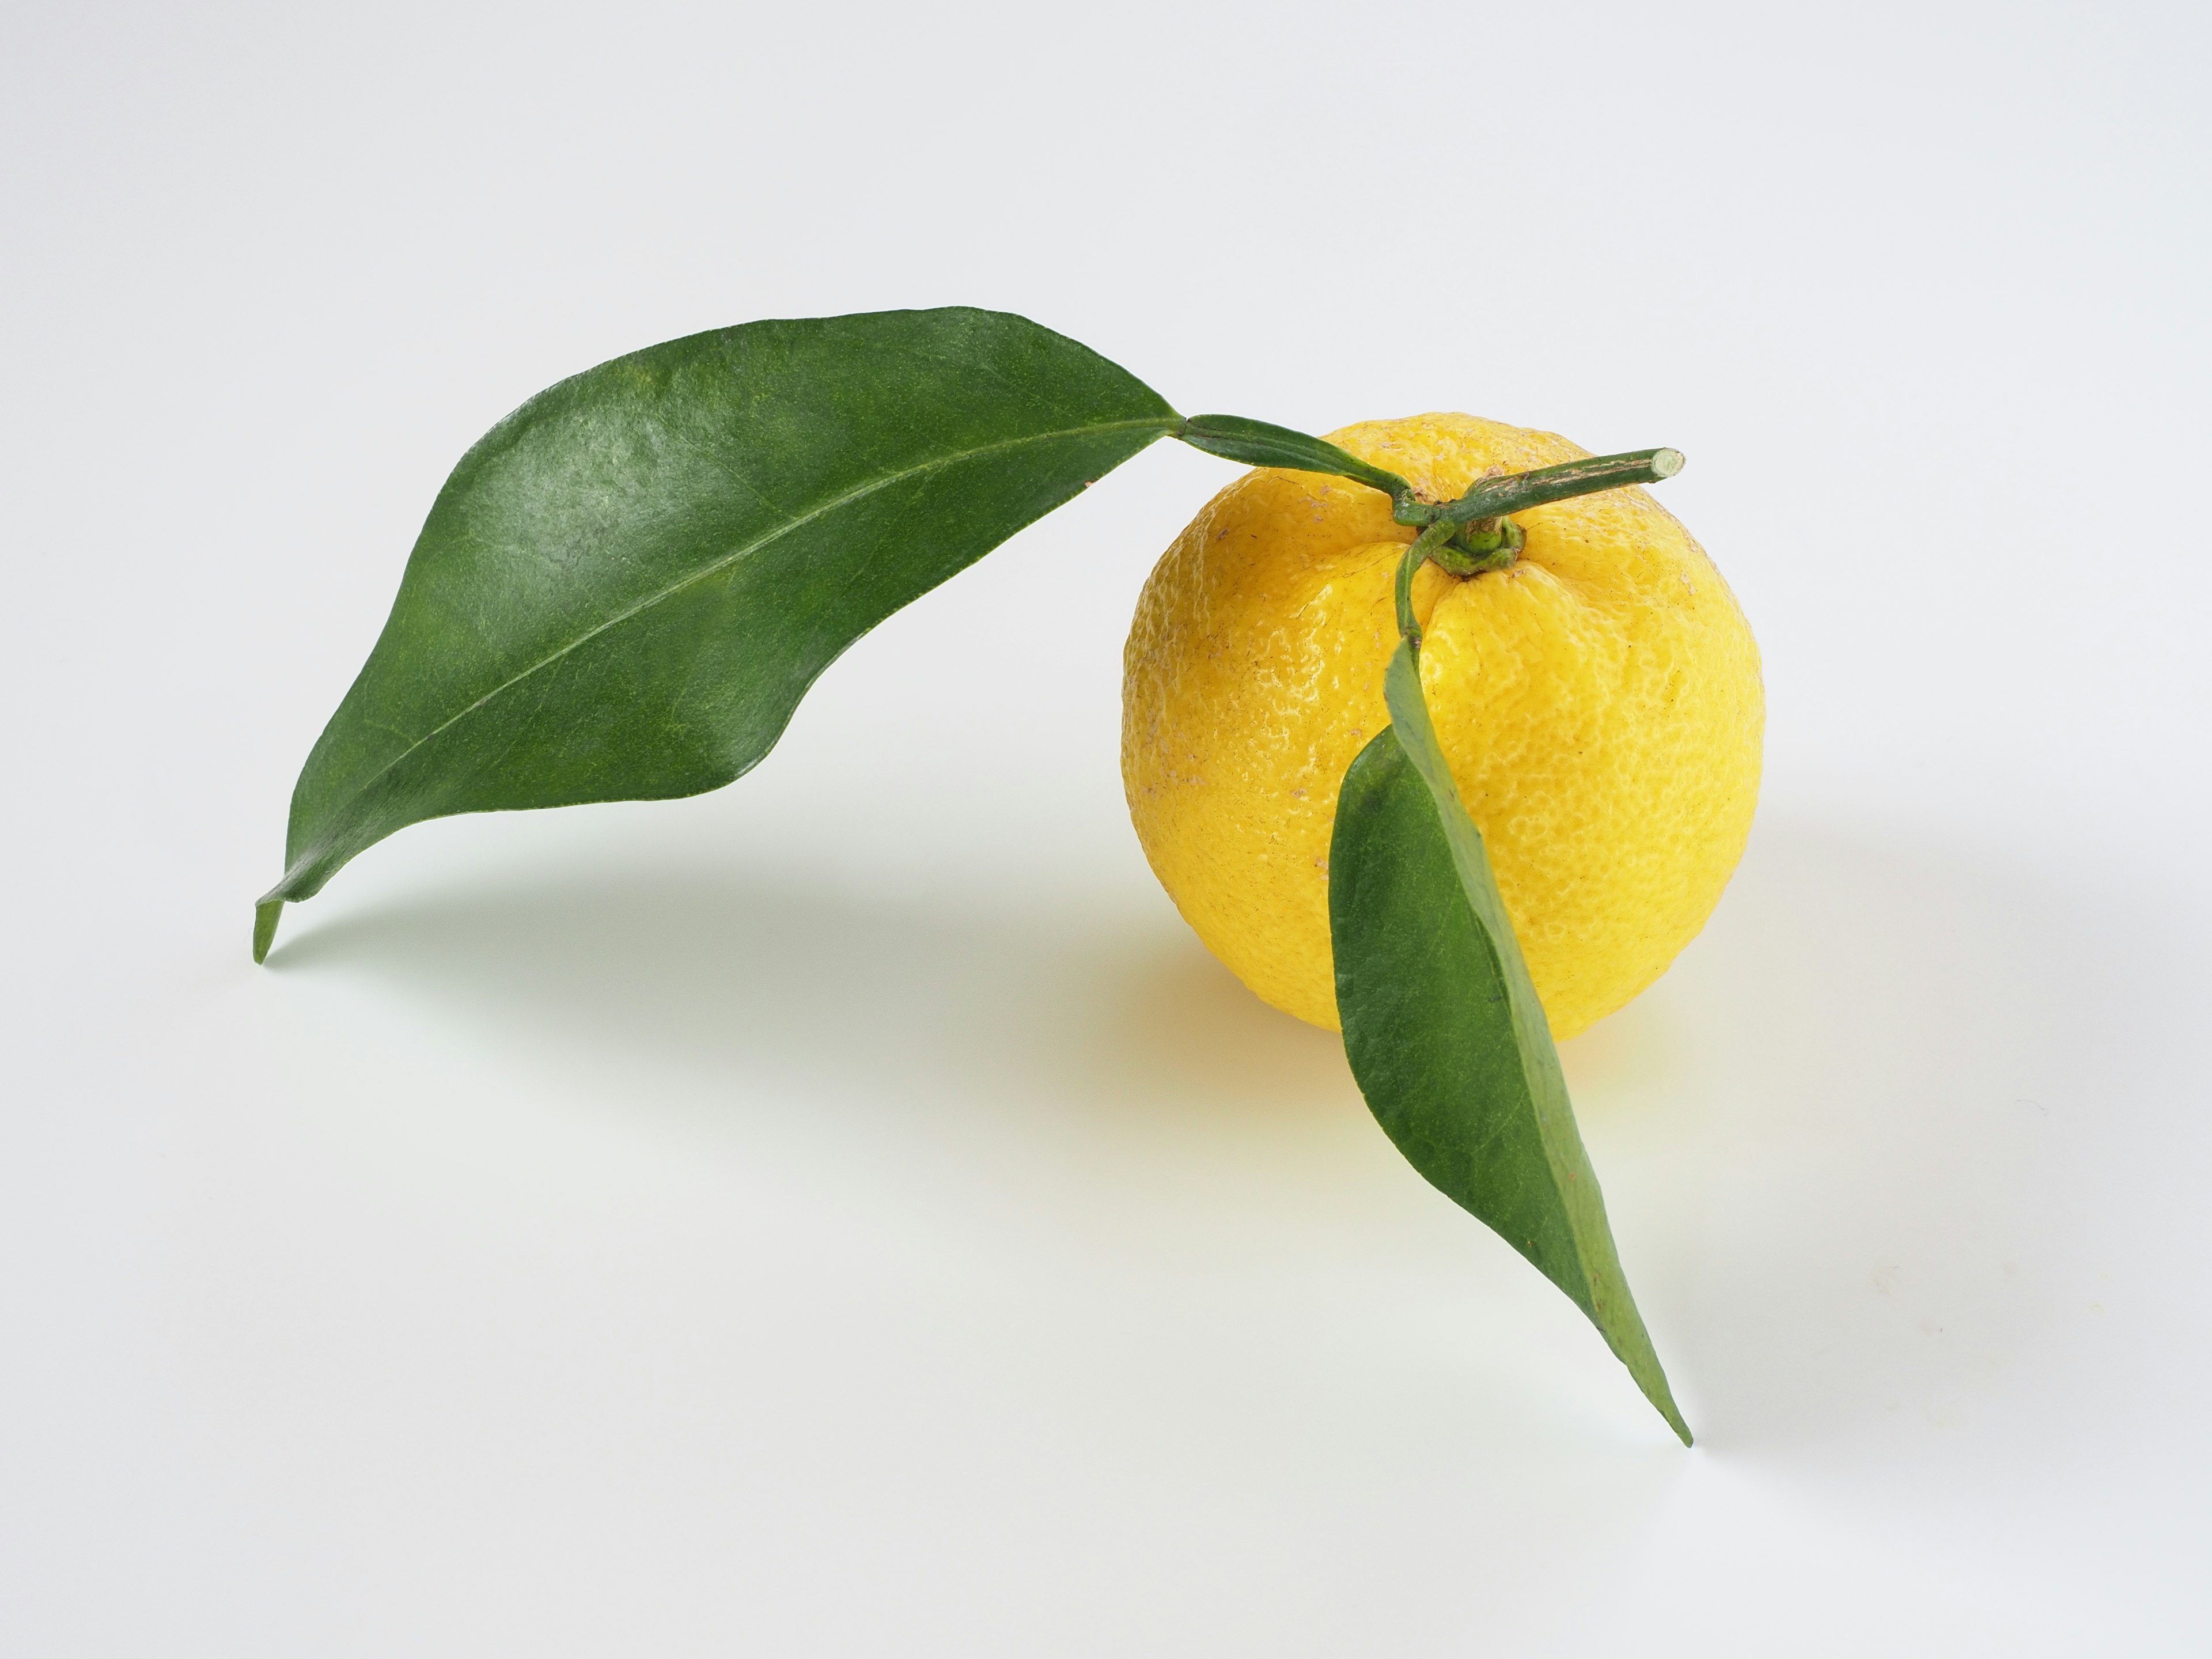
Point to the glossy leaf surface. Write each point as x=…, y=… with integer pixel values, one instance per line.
x=626, y=587
x=1443, y=1030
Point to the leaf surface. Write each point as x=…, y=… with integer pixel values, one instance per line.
x=626, y=587
x=1446, y=1037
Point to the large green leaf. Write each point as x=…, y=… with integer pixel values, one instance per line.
x=625, y=587
x=1443, y=1030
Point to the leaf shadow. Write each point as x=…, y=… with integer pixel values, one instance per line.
x=1835, y=1138
x=1842, y=1137
x=949, y=1003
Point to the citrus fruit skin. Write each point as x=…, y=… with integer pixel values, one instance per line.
x=1599, y=704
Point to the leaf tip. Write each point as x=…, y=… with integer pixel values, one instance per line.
x=1663, y=1397
x=265, y=915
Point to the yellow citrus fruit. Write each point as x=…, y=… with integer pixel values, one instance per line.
x=1598, y=703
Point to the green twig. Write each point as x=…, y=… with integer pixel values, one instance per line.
x=1493, y=498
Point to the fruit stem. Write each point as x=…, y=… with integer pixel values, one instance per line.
x=1485, y=545
x=1493, y=498
x=1478, y=537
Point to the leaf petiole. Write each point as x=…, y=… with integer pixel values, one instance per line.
x=1262, y=443
x=1418, y=551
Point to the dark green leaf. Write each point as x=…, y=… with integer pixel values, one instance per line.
x=625, y=587
x=1443, y=1027
x=1260, y=443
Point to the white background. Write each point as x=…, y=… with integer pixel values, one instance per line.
x=849, y=1213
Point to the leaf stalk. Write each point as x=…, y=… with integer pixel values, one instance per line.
x=1423, y=548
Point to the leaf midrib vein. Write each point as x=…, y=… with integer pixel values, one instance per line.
x=730, y=558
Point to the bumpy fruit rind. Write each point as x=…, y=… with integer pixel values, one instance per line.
x=1598, y=703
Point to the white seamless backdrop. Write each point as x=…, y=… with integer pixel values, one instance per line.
x=849, y=1213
